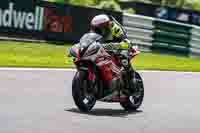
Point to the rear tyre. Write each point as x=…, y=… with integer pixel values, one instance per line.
x=135, y=99
x=83, y=100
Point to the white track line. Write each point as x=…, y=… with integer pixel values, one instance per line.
x=72, y=70
x=153, y=71
x=34, y=69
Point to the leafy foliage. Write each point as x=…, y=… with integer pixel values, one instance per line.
x=113, y=4
x=82, y=2
x=129, y=10
x=186, y=4
x=109, y=5
x=192, y=4
x=57, y=1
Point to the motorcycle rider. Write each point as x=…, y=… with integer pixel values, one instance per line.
x=113, y=36
x=108, y=32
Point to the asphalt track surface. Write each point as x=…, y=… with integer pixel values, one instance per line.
x=40, y=101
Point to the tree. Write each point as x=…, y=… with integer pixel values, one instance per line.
x=57, y=1
x=113, y=4
x=109, y=5
x=186, y=4
x=82, y=2
x=171, y=3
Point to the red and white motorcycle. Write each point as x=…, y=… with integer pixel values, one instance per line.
x=105, y=76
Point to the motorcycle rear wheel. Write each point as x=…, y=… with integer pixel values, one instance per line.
x=134, y=101
x=85, y=102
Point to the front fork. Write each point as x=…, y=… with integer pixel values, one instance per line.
x=91, y=81
x=95, y=85
x=127, y=80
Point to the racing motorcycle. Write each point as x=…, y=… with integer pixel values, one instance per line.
x=105, y=76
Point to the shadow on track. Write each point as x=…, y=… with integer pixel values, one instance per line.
x=106, y=112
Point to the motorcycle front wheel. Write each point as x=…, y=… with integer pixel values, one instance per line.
x=134, y=99
x=84, y=101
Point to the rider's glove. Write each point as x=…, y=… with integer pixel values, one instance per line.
x=125, y=44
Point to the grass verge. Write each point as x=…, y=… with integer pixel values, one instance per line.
x=20, y=54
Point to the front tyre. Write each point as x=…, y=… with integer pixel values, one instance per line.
x=135, y=99
x=83, y=100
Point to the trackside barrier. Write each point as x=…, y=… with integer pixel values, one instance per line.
x=195, y=42
x=164, y=36
x=139, y=30
x=171, y=37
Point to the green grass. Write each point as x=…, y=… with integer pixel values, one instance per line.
x=20, y=54
x=166, y=62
